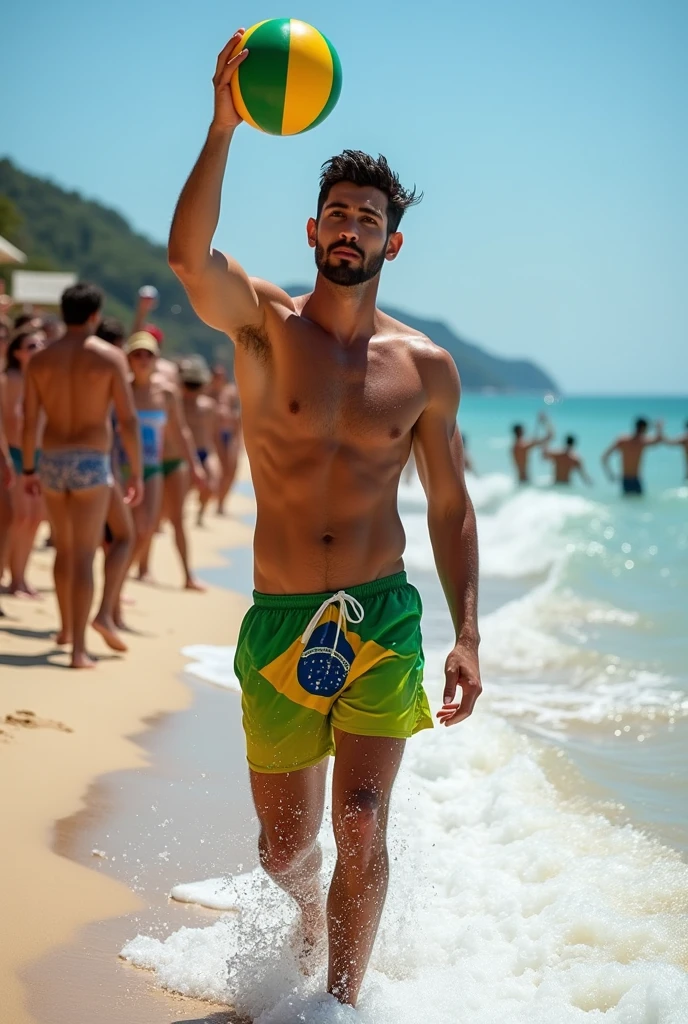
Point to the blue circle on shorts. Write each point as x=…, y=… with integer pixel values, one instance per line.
x=320, y=670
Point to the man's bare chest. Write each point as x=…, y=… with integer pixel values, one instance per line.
x=362, y=395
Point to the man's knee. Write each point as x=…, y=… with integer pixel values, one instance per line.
x=281, y=854
x=358, y=829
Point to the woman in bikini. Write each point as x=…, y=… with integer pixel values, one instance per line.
x=28, y=512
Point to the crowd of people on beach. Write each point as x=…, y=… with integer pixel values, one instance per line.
x=104, y=439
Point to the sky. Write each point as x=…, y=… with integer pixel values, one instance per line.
x=550, y=139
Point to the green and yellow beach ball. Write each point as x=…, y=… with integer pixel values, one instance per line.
x=291, y=79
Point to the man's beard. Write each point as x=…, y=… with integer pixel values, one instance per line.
x=347, y=274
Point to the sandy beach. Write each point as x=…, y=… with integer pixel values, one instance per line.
x=61, y=730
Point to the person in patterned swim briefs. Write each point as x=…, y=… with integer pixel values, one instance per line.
x=75, y=382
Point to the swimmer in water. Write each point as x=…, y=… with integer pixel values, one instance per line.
x=521, y=448
x=566, y=462
x=631, y=448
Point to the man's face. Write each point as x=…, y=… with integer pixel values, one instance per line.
x=350, y=238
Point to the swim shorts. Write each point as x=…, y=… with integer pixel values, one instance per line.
x=631, y=485
x=74, y=469
x=312, y=663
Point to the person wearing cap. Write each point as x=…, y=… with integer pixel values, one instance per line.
x=200, y=411
x=147, y=300
x=158, y=409
x=76, y=381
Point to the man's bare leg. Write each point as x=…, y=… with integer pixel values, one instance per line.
x=230, y=462
x=290, y=809
x=78, y=520
x=176, y=489
x=364, y=773
x=116, y=563
x=58, y=514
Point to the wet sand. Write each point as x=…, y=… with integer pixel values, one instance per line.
x=60, y=731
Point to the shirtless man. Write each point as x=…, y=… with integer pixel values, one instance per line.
x=334, y=393
x=680, y=442
x=200, y=412
x=228, y=442
x=566, y=462
x=522, y=448
x=631, y=448
x=76, y=381
x=118, y=538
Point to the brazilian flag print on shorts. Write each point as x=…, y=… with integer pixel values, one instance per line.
x=362, y=677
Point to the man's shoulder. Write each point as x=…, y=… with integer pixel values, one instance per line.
x=271, y=294
x=420, y=346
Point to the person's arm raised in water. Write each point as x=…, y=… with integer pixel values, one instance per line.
x=451, y=520
x=542, y=442
x=125, y=410
x=219, y=289
x=584, y=473
x=658, y=435
x=605, y=458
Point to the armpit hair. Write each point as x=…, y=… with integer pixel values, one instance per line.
x=254, y=339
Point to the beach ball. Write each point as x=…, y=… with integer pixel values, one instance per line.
x=291, y=79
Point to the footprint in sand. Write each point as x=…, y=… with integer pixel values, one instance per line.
x=30, y=720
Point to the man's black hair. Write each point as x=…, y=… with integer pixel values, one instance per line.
x=518, y=429
x=361, y=169
x=111, y=329
x=570, y=440
x=641, y=424
x=80, y=302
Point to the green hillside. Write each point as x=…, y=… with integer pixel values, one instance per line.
x=61, y=230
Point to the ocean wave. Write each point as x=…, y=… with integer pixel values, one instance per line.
x=531, y=673
x=505, y=903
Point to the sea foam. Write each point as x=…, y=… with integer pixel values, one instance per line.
x=505, y=904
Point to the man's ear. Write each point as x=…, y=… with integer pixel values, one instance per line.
x=312, y=232
x=394, y=244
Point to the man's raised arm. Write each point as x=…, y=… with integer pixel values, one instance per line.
x=218, y=287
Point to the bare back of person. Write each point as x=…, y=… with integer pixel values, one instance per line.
x=327, y=500
x=520, y=451
x=75, y=381
x=631, y=448
x=564, y=465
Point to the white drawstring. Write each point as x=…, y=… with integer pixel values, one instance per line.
x=345, y=612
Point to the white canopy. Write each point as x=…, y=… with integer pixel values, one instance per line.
x=9, y=253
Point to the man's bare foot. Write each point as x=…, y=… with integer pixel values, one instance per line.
x=309, y=939
x=23, y=589
x=108, y=631
x=145, y=576
x=82, y=660
x=192, y=584
x=63, y=637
